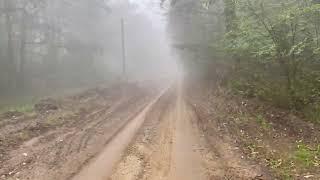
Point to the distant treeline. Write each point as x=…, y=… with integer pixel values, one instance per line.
x=45, y=43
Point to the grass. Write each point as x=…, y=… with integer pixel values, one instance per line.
x=281, y=165
x=274, y=92
x=312, y=113
x=307, y=157
x=22, y=104
x=300, y=161
x=263, y=122
x=299, y=158
x=24, y=108
x=58, y=119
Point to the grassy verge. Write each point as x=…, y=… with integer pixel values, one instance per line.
x=288, y=145
x=23, y=108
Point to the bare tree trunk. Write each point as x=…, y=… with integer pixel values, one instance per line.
x=230, y=14
x=22, y=51
x=9, y=57
x=51, y=59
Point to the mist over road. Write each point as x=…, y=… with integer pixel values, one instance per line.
x=159, y=89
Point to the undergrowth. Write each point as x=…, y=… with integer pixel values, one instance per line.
x=301, y=100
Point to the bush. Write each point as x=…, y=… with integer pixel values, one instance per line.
x=277, y=51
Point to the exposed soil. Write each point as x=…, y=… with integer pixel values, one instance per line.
x=152, y=133
x=54, y=143
x=171, y=145
x=148, y=156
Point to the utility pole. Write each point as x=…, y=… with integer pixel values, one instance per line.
x=124, y=68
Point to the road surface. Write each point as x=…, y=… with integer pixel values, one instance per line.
x=170, y=146
x=147, y=134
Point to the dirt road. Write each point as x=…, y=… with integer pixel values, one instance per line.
x=171, y=146
x=145, y=135
x=57, y=143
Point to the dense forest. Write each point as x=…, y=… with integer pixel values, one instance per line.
x=43, y=42
x=52, y=46
x=265, y=49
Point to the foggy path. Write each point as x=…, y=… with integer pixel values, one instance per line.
x=159, y=89
x=151, y=133
x=101, y=166
x=170, y=146
x=186, y=158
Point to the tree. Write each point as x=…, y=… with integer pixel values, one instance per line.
x=284, y=32
x=37, y=35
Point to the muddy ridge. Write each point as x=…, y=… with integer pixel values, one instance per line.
x=54, y=143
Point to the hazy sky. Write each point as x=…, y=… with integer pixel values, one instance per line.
x=147, y=44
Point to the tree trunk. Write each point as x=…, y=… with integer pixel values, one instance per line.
x=10, y=65
x=51, y=59
x=230, y=14
x=22, y=51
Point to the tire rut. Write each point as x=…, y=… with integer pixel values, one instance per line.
x=148, y=154
x=63, y=151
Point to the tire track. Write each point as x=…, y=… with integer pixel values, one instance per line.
x=63, y=151
x=148, y=154
x=101, y=167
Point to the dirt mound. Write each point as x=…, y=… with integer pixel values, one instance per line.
x=46, y=105
x=12, y=114
x=61, y=135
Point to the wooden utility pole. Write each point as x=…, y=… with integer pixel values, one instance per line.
x=124, y=68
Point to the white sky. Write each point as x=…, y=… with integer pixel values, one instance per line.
x=146, y=35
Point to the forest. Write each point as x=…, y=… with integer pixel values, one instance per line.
x=51, y=47
x=159, y=89
x=43, y=42
x=263, y=49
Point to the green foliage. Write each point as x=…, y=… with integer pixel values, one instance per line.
x=298, y=161
x=277, y=52
x=282, y=167
x=312, y=112
x=307, y=157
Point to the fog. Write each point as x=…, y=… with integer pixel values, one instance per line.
x=148, y=52
x=51, y=46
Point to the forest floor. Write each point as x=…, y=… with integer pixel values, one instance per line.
x=155, y=133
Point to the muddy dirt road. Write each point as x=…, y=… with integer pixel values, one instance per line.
x=148, y=134
x=171, y=146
